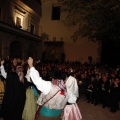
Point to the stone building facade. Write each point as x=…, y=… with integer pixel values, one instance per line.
x=54, y=29
x=19, y=29
x=26, y=26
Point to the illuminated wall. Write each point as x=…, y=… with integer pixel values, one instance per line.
x=19, y=24
x=55, y=30
x=18, y=14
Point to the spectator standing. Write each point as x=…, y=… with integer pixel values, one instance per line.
x=14, y=96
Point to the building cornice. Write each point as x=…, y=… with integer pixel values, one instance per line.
x=16, y=31
x=25, y=8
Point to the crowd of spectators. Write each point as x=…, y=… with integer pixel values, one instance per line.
x=99, y=83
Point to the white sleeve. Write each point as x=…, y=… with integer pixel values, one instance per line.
x=71, y=97
x=28, y=76
x=3, y=73
x=42, y=85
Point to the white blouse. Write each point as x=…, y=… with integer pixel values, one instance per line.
x=42, y=85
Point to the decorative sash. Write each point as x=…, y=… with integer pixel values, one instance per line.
x=37, y=112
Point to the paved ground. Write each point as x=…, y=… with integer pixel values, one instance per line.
x=91, y=112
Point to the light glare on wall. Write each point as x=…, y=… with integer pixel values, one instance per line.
x=18, y=21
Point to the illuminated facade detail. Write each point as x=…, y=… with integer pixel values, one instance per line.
x=19, y=26
x=18, y=22
x=26, y=22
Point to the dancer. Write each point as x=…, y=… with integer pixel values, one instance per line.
x=71, y=110
x=53, y=98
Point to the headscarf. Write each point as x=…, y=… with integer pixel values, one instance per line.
x=19, y=71
x=59, y=83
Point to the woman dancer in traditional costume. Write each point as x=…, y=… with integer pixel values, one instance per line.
x=53, y=98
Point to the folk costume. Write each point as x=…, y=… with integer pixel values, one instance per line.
x=14, y=96
x=71, y=110
x=30, y=103
x=56, y=96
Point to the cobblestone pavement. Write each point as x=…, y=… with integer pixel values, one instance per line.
x=91, y=112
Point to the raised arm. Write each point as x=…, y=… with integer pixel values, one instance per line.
x=42, y=85
x=3, y=72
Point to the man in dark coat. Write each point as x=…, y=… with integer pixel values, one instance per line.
x=114, y=95
x=14, y=96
